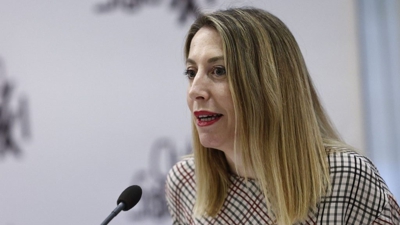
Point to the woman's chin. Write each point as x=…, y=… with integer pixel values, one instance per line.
x=208, y=144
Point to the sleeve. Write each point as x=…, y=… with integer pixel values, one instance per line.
x=359, y=194
x=390, y=214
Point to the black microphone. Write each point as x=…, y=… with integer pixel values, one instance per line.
x=128, y=198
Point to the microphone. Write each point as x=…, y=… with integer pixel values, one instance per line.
x=128, y=198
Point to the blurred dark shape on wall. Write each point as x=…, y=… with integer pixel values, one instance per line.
x=14, y=117
x=162, y=156
x=185, y=8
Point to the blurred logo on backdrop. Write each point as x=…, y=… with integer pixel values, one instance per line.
x=14, y=119
x=162, y=156
x=184, y=8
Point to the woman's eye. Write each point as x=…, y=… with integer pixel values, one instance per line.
x=219, y=71
x=190, y=73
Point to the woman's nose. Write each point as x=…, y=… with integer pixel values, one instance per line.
x=199, y=87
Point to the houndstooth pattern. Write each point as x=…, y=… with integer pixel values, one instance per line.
x=358, y=196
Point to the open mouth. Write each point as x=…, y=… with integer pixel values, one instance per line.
x=205, y=118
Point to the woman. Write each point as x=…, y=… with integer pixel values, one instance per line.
x=264, y=149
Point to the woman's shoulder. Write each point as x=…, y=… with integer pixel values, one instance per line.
x=181, y=173
x=180, y=191
x=349, y=168
x=347, y=161
x=347, y=157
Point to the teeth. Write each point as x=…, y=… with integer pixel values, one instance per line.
x=208, y=117
x=205, y=116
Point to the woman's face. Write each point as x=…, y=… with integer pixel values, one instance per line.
x=208, y=97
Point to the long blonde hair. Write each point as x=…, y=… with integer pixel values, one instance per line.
x=282, y=131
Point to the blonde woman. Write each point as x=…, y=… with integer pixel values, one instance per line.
x=264, y=149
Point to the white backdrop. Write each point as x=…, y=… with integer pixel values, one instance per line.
x=106, y=102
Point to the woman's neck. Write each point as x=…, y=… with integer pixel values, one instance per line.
x=236, y=165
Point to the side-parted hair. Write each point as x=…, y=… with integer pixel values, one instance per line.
x=282, y=132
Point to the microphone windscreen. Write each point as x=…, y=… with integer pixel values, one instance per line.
x=130, y=197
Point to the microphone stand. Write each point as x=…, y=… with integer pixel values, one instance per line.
x=114, y=213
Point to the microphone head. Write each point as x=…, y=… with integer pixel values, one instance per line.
x=130, y=197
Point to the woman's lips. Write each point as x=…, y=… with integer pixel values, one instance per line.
x=206, y=118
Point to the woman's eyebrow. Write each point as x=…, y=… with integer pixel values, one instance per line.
x=210, y=60
x=191, y=61
x=215, y=59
